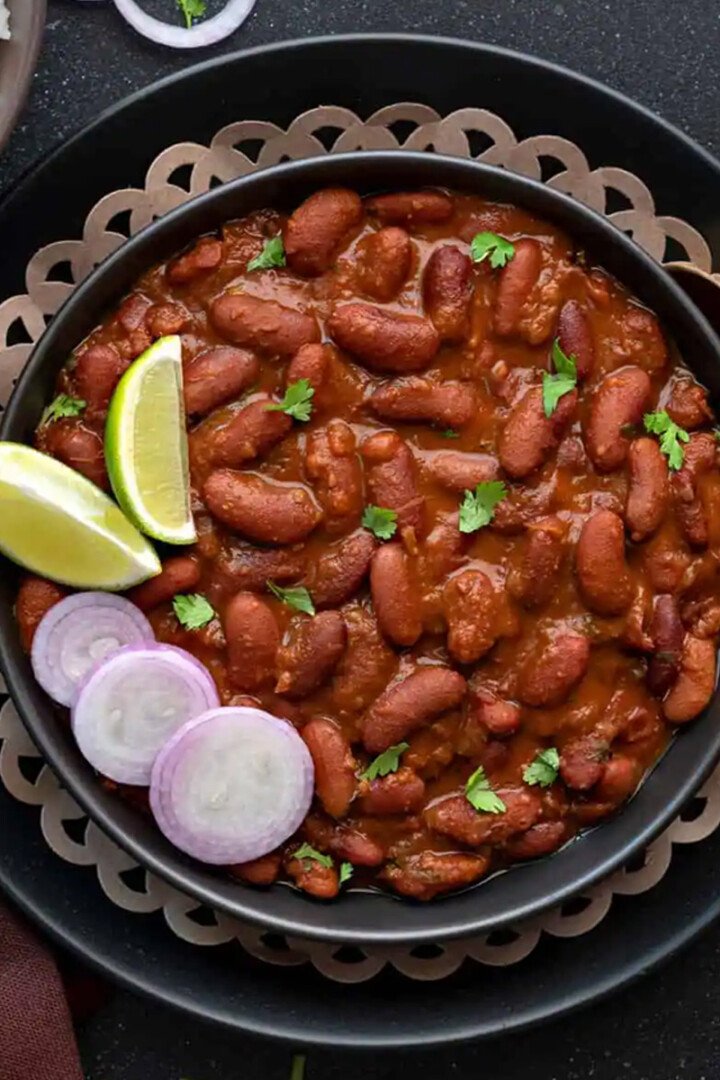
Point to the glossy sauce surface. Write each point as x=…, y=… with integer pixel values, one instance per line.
x=583, y=618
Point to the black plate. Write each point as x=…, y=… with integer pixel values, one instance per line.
x=359, y=915
x=363, y=74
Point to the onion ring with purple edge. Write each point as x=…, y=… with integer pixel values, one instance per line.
x=77, y=633
x=203, y=33
x=232, y=785
x=128, y=707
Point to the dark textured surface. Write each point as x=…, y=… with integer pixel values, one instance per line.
x=664, y=55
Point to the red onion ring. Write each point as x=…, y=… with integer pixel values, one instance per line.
x=203, y=33
x=132, y=703
x=77, y=633
x=232, y=785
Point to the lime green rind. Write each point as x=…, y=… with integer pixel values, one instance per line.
x=146, y=445
x=56, y=523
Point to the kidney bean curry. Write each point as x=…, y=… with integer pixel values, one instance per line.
x=458, y=512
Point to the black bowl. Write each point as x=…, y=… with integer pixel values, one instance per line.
x=362, y=916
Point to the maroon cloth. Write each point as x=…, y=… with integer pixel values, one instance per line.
x=36, y=1034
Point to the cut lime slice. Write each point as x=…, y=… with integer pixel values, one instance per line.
x=56, y=523
x=146, y=445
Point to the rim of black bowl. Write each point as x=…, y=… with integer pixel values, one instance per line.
x=359, y=916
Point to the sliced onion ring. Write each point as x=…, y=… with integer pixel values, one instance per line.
x=203, y=33
x=132, y=703
x=77, y=633
x=232, y=785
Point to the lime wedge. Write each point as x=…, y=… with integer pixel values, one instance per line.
x=146, y=445
x=56, y=523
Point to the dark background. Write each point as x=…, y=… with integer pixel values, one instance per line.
x=667, y=56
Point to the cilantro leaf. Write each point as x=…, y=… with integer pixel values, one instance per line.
x=448, y=433
x=385, y=763
x=478, y=507
x=307, y=853
x=562, y=382
x=481, y=796
x=671, y=437
x=543, y=769
x=192, y=9
x=272, y=255
x=63, y=405
x=380, y=521
x=346, y=872
x=500, y=250
x=295, y=597
x=298, y=1067
x=297, y=401
x=193, y=611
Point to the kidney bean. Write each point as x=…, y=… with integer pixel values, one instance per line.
x=576, y=338
x=529, y=436
x=77, y=447
x=202, y=258
x=344, y=841
x=164, y=319
x=619, y=779
x=367, y=664
x=412, y=207
x=311, y=362
x=541, y=839
x=649, y=489
x=447, y=291
x=310, y=654
x=179, y=574
x=320, y=881
x=130, y=316
x=695, y=684
x=444, y=549
x=402, y=792
x=667, y=634
x=384, y=340
x=471, y=613
x=97, y=373
x=582, y=762
x=454, y=816
x=522, y=506
x=428, y=873
x=335, y=766
x=605, y=579
x=395, y=595
x=702, y=616
x=616, y=406
x=244, y=566
x=449, y=404
x=217, y=375
x=642, y=340
x=687, y=405
x=391, y=478
x=249, y=434
x=35, y=597
x=700, y=455
x=548, y=676
x=339, y=571
x=331, y=461
x=458, y=471
x=253, y=640
x=500, y=718
x=410, y=704
x=383, y=263
x=262, y=324
x=262, y=871
x=261, y=509
x=664, y=564
x=535, y=580
x=515, y=284
x=315, y=231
